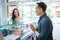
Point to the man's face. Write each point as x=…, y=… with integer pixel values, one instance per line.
x=38, y=10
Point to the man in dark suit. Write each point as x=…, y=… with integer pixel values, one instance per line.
x=45, y=27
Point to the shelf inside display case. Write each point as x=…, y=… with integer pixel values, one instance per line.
x=25, y=33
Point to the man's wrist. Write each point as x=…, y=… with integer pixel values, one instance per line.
x=36, y=33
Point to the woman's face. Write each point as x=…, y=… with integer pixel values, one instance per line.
x=16, y=13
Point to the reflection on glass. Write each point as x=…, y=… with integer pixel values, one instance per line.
x=11, y=0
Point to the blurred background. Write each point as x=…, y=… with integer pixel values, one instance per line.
x=27, y=12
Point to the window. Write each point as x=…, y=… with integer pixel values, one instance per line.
x=10, y=9
x=11, y=5
x=28, y=11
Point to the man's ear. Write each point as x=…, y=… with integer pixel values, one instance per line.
x=41, y=9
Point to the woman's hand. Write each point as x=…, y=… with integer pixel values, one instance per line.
x=10, y=21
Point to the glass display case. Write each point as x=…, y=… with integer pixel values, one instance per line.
x=9, y=32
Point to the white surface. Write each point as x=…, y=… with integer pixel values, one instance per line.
x=26, y=35
x=56, y=32
x=11, y=37
x=56, y=28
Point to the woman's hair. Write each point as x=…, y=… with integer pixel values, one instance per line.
x=13, y=16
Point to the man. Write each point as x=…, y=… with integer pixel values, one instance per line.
x=45, y=26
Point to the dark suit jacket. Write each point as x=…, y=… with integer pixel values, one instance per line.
x=45, y=28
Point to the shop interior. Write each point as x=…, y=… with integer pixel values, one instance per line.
x=28, y=16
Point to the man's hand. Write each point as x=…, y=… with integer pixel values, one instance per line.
x=33, y=28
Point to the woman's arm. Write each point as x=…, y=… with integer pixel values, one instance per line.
x=10, y=21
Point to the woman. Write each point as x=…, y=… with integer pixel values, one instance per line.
x=15, y=20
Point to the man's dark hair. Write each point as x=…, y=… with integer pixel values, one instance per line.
x=42, y=5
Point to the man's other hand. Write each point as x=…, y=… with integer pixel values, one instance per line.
x=33, y=28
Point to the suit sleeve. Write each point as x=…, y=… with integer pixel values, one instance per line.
x=45, y=30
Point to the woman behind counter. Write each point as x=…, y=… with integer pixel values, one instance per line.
x=15, y=20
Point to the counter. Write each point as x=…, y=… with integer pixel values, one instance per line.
x=28, y=32
x=14, y=37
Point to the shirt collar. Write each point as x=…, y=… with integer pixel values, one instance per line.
x=42, y=15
